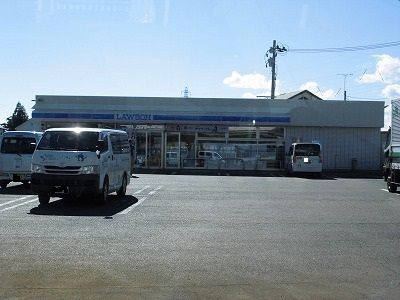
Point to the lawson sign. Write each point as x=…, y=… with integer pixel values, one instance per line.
x=134, y=117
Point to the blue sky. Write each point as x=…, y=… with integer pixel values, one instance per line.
x=216, y=48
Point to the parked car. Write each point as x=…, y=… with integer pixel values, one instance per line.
x=17, y=148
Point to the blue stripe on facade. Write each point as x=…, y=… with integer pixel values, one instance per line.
x=222, y=119
x=72, y=116
x=161, y=118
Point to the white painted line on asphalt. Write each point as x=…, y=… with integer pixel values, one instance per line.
x=26, y=202
x=385, y=190
x=126, y=210
x=155, y=190
x=16, y=200
x=140, y=201
x=139, y=191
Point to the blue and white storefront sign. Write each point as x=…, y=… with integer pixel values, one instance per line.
x=137, y=118
x=133, y=117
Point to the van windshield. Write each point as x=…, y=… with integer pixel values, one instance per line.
x=307, y=150
x=17, y=145
x=69, y=141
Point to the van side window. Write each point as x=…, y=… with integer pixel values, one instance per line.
x=115, y=144
x=120, y=143
x=105, y=139
x=17, y=145
x=125, y=146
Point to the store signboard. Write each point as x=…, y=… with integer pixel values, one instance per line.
x=197, y=128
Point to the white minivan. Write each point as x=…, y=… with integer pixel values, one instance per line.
x=77, y=161
x=305, y=158
x=16, y=155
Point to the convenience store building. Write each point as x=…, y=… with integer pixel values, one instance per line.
x=222, y=133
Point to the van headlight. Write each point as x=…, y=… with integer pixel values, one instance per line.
x=37, y=168
x=90, y=170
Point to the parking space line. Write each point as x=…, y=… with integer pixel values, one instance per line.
x=16, y=200
x=385, y=190
x=127, y=210
x=26, y=202
x=140, y=201
x=155, y=190
x=139, y=191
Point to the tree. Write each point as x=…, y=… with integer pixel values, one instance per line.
x=18, y=117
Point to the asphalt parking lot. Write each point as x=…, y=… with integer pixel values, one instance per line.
x=205, y=237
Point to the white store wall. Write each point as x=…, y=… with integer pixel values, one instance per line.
x=341, y=145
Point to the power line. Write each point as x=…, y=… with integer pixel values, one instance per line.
x=347, y=49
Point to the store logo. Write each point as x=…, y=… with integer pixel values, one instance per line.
x=134, y=117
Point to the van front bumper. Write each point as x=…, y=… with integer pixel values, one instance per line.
x=76, y=184
x=15, y=176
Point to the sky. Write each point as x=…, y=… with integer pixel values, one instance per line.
x=216, y=48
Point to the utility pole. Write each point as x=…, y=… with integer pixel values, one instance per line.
x=344, y=84
x=274, y=50
x=273, y=70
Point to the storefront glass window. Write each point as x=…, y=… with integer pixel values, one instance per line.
x=188, y=149
x=245, y=154
x=154, y=150
x=271, y=132
x=270, y=155
x=242, y=132
x=172, y=152
x=140, y=161
x=211, y=134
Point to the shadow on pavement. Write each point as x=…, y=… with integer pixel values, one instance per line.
x=84, y=207
x=18, y=189
x=314, y=177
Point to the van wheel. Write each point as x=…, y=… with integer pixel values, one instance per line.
x=104, y=191
x=3, y=184
x=44, y=199
x=26, y=184
x=391, y=186
x=122, y=191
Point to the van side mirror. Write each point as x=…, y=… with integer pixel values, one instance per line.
x=100, y=146
x=32, y=146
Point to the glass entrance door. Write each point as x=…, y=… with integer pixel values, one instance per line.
x=154, y=149
x=172, y=150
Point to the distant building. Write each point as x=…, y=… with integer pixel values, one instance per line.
x=299, y=95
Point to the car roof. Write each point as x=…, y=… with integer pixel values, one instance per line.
x=21, y=133
x=84, y=129
x=310, y=143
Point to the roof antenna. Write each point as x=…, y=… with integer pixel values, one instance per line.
x=186, y=93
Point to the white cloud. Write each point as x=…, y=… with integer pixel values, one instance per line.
x=387, y=70
x=391, y=91
x=314, y=88
x=253, y=81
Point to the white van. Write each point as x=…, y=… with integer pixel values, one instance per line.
x=76, y=161
x=305, y=157
x=210, y=159
x=16, y=156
